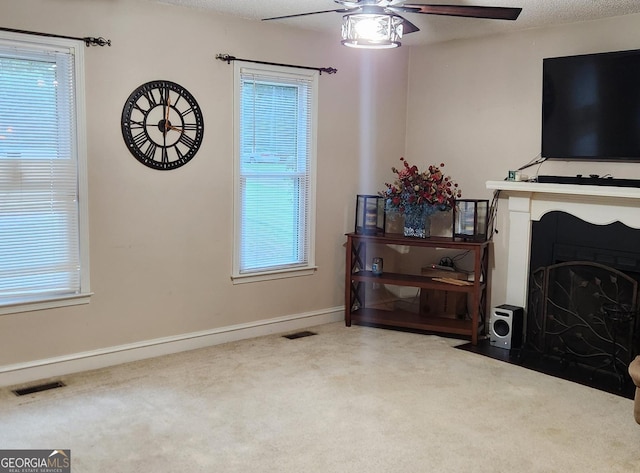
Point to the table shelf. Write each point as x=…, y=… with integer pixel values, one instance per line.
x=411, y=320
x=400, y=279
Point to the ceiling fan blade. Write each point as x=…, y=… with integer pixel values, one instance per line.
x=408, y=27
x=339, y=10
x=493, y=13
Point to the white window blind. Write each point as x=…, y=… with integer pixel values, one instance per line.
x=275, y=171
x=40, y=237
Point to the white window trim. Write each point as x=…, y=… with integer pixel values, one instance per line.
x=50, y=302
x=310, y=267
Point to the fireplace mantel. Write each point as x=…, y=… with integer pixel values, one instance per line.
x=529, y=201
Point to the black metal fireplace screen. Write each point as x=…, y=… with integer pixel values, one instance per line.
x=584, y=313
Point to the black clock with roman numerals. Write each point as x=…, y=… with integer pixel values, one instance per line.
x=162, y=125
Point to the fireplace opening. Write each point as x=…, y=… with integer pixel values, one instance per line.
x=560, y=237
x=582, y=312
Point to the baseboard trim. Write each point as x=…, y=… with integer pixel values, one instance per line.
x=21, y=373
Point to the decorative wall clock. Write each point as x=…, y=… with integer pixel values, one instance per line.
x=162, y=125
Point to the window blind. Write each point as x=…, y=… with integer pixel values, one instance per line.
x=275, y=170
x=39, y=231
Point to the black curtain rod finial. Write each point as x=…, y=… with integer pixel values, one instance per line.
x=90, y=41
x=225, y=57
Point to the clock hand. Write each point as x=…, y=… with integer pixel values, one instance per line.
x=171, y=127
x=166, y=116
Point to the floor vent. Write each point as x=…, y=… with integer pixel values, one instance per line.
x=38, y=388
x=293, y=336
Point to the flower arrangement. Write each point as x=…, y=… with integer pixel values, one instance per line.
x=413, y=188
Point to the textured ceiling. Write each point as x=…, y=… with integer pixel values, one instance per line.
x=535, y=13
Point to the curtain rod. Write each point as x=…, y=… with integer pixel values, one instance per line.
x=228, y=59
x=88, y=40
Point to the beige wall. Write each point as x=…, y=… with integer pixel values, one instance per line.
x=476, y=106
x=161, y=241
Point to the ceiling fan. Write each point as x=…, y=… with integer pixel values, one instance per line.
x=376, y=24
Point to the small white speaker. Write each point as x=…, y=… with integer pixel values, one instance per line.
x=506, y=326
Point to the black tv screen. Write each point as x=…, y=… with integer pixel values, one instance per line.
x=591, y=107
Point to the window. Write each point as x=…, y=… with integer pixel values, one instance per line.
x=274, y=172
x=43, y=211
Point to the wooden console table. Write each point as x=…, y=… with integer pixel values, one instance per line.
x=358, y=278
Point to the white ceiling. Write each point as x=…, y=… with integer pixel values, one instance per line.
x=535, y=13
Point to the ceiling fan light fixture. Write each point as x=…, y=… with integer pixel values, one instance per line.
x=372, y=30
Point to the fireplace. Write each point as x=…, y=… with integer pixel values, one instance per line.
x=578, y=281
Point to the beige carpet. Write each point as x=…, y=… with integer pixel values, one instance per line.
x=347, y=400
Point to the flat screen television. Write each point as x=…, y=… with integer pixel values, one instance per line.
x=591, y=107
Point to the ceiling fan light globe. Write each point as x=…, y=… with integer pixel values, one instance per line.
x=372, y=30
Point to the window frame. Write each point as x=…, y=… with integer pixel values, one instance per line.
x=79, y=151
x=281, y=73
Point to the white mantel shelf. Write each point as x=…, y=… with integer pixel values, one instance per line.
x=599, y=205
x=529, y=201
x=573, y=189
